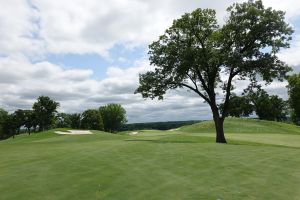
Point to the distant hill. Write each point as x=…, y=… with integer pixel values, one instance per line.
x=157, y=125
x=243, y=125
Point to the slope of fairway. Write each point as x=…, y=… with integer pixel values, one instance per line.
x=151, y=165
x=243, y=125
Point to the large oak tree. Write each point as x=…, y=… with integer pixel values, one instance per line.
x=195, y=52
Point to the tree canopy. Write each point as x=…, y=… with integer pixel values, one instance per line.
x=268, y=107
x=91, y=119
x=45, y=109
x=63, y=120
x=239, y=106
x=198, y=54
x=75, y=120
x=114, y=116
x=294, y=96
x=3, y=119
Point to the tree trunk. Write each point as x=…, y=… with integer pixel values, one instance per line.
x=220, y=137
x=219, y=121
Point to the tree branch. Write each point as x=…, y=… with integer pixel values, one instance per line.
x=232, y=74
x=197, y=91
x=193, y=81
x=205, y=86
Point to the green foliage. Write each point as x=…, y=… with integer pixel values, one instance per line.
x=92, y=119
x=63, y=120
x=238, y=106
x=10, y=126
x=195, y=51
x=268, y=107
x=45, y=116
x=75, y=120
x=195, y=48
x=12, y=123
x=294, y=96
x=109, y=118
x=30, y=120
x=45, y=109
x=114, y=116
x=3, y=118
x=19, y=119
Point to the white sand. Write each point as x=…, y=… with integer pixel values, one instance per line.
x=176, y=129
x=133, y=133
x=74, y=132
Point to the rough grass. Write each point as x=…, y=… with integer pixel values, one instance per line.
x=243, y=125
x=152, y=165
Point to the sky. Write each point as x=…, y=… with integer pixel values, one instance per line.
x=87, y=53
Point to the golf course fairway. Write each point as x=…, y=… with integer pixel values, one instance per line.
x=260, y=161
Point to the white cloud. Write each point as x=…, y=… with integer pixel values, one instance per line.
x=291, y=55
x=30, y=29
x=76, y=91
x=35, y=27
x=88, y=26
x=17, y=30
x=291, y=7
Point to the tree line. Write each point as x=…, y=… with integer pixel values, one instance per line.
x=267, y=107
x=44, y=115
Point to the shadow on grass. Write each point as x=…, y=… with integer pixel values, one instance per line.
x=186, y=139
x=197, y=139
x=239, y=142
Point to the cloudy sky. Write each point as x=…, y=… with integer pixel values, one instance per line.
x=86, y=53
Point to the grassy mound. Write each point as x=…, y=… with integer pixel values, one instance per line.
x=243, y=125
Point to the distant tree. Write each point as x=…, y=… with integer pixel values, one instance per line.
x=29, y=120
x=239, y=106
x=10, y=126
x=63, y=120
x=268, y=107
x=19, y=119
x=3, y=118
x=75, y=120
x=114, y=116
x=294, y=97
x=279, y=111
x=34, y=121
x=195, y=52
x=45, y=109
x=91, y=119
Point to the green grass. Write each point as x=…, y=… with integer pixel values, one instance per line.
x=242, y=125
x=183, y=164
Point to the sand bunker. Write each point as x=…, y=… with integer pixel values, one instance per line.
x=74, y=132
x=133, y=133
x=175, y=129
